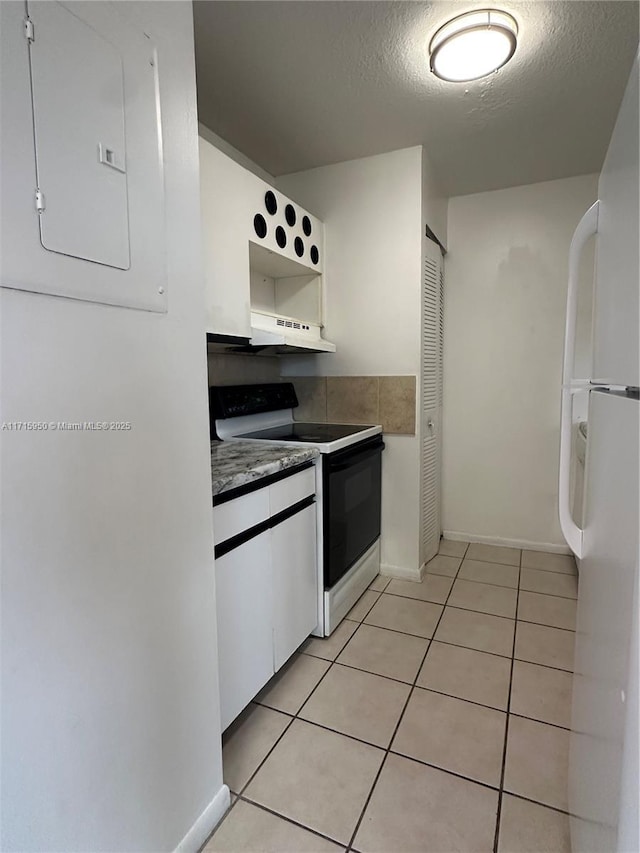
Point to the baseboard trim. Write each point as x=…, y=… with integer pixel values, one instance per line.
x=402, y=572
x=206, y=823
x=552, y=548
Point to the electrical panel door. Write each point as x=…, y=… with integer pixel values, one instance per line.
x=77, y=82
x=82, y=210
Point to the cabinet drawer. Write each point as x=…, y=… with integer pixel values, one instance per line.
x=240, y=514
x=289, y=491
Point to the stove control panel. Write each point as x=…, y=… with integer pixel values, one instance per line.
x=232, y=401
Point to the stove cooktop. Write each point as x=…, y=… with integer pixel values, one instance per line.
x=315, y=433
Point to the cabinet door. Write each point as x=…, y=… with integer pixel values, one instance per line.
x=295, y=582
x=245, y=645
x=225, y=193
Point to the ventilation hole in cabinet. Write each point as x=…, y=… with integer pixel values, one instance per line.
x=290, y=215
x=259, y=225
x=281, y=237
x=306, y=226
x=298, y=246
x=270, y=202
x=315, y=254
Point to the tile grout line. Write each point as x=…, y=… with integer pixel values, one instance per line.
x=523, y=589
x=546, y=625
x=241, y=795
x=538, y=803
x=287, y=819
x=405, y=633
x=432, y=601
x=496, y=838
x=503, y=586
x=377, y=674
x=442, y=769
x=492, y=562
x=446, y=643
x=542, y=722
x=316, y=832
x=296, y=715
x=276, y=742
x=417, y=687
x=244, y=798
x=469, y=580
x=458, y=645
x=293, y=717
x=400, y=718
x=432, y=689
x=466, y=610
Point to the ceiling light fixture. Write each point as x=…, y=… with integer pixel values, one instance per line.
x=473, y=45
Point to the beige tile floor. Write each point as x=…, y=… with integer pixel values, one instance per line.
x=434, y=719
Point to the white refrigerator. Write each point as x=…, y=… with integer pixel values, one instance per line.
x=604, y=793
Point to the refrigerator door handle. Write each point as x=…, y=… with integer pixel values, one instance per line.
x=587, y=227
x=570, y=530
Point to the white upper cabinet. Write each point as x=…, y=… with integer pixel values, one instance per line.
x=82, y=172
x=262, y=251
x=225, y=192
x=284, y=231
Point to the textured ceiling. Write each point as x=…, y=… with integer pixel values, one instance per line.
x=295, y=85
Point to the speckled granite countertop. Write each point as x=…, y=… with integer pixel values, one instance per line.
x=235, y=463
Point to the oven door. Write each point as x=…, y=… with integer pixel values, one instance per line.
x=351, y=496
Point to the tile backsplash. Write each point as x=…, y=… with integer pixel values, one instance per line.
x=386, y=400
x=311, y=392
x=352, y=399
x=397, y=404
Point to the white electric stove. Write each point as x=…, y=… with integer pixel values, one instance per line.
x=348, y=485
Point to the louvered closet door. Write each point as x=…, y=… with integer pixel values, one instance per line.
x=431, y=399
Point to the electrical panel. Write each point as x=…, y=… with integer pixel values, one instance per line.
x=83, y=182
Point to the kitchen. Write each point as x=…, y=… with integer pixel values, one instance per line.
x=100, y=551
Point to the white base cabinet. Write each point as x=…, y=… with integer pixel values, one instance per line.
x=243, y=596
x=295, y=583
x=266, y=584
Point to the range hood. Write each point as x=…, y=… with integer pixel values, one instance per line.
x=275, y=334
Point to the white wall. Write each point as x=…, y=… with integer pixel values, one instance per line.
x=371, y=209
x=110, y=721
x=505, y=294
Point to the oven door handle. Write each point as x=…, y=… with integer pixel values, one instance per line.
x=356, y=458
